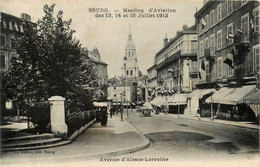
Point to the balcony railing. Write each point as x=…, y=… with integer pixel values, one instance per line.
x=188, y=51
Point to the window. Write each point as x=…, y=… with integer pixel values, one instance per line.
x=207, y=21
x=126, y=72
x=211, y=18
x=229, y=6
x=215, y=16
x=245, y=26
x=128, y=54
x=219, y=14
x=229, y=70
x=256, y=19
x=2, y=60
x=4, y=24
x=131, y=72
x=11, y=25
x=21, y=28
x=207, y=71
x=206, y=43
x=3, y=40
x=256, y=60
x=16, y=27
x=212, y=44
x=201, y=49
x=219, y=67
x=219, y=39
x=13, y=43
x=229, y=33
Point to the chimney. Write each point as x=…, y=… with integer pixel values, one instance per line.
x=185, y=27
x=177, y=33
x=26, y=17
x=165, y=41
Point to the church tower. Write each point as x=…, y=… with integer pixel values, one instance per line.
x=130, y=65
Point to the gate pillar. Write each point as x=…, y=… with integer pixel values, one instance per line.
x=57, y=116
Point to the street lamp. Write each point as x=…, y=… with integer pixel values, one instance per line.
x=179, y=83
x=121, y=111
x=126, y=88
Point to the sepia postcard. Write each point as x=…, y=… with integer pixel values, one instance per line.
x=130, y=83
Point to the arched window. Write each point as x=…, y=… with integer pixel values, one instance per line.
x=131, y=72
x=128, y=54
x=132, y=54
x=126, y=72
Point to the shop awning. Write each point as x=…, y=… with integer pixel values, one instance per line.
x=147, y=104
x=158, y=101
x=231, y=96
x=177, y=99
x=200, y=92
x=205, y=92
x=194, y=93
x=218, y=96
x=238, y=94
x=100, y=104
x=254, y=98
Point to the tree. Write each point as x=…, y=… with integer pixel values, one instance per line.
x=51, y=62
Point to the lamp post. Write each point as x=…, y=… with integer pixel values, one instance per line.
x=179, y=83
x=170, y=70
x=126, y=88
x=121, y=110
x=211, y=109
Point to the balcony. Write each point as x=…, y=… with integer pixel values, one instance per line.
x=189, y=52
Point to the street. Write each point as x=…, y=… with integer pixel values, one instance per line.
x=171, y=139
x=187, y=139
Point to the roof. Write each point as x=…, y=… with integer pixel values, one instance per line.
x=97, y=61
x=152, y=67
x=191, y=30
x=94, y=56
x=204, y=7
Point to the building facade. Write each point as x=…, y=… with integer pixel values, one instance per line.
x=176, y=62
x=101, y=69
x=121, y=92
x=11, y=27
x=152, y=77
x=228, y=56
x=222, y=25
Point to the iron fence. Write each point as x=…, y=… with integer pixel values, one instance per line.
x=76, y=120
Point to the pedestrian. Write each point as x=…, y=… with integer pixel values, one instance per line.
x=104, y=116
x=198, y=113
x=98, y=115
x=121, y=113
x=111, y=112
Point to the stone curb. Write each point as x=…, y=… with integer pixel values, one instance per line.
x=108, y=154
x=223, y=123
x=113, y=153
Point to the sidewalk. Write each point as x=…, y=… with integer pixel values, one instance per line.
x=117, y=138
x=242, y=124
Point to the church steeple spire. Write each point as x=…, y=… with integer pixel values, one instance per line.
x=130, y=34
x=130, y=65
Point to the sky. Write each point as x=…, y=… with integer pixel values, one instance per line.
x=110, y=35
